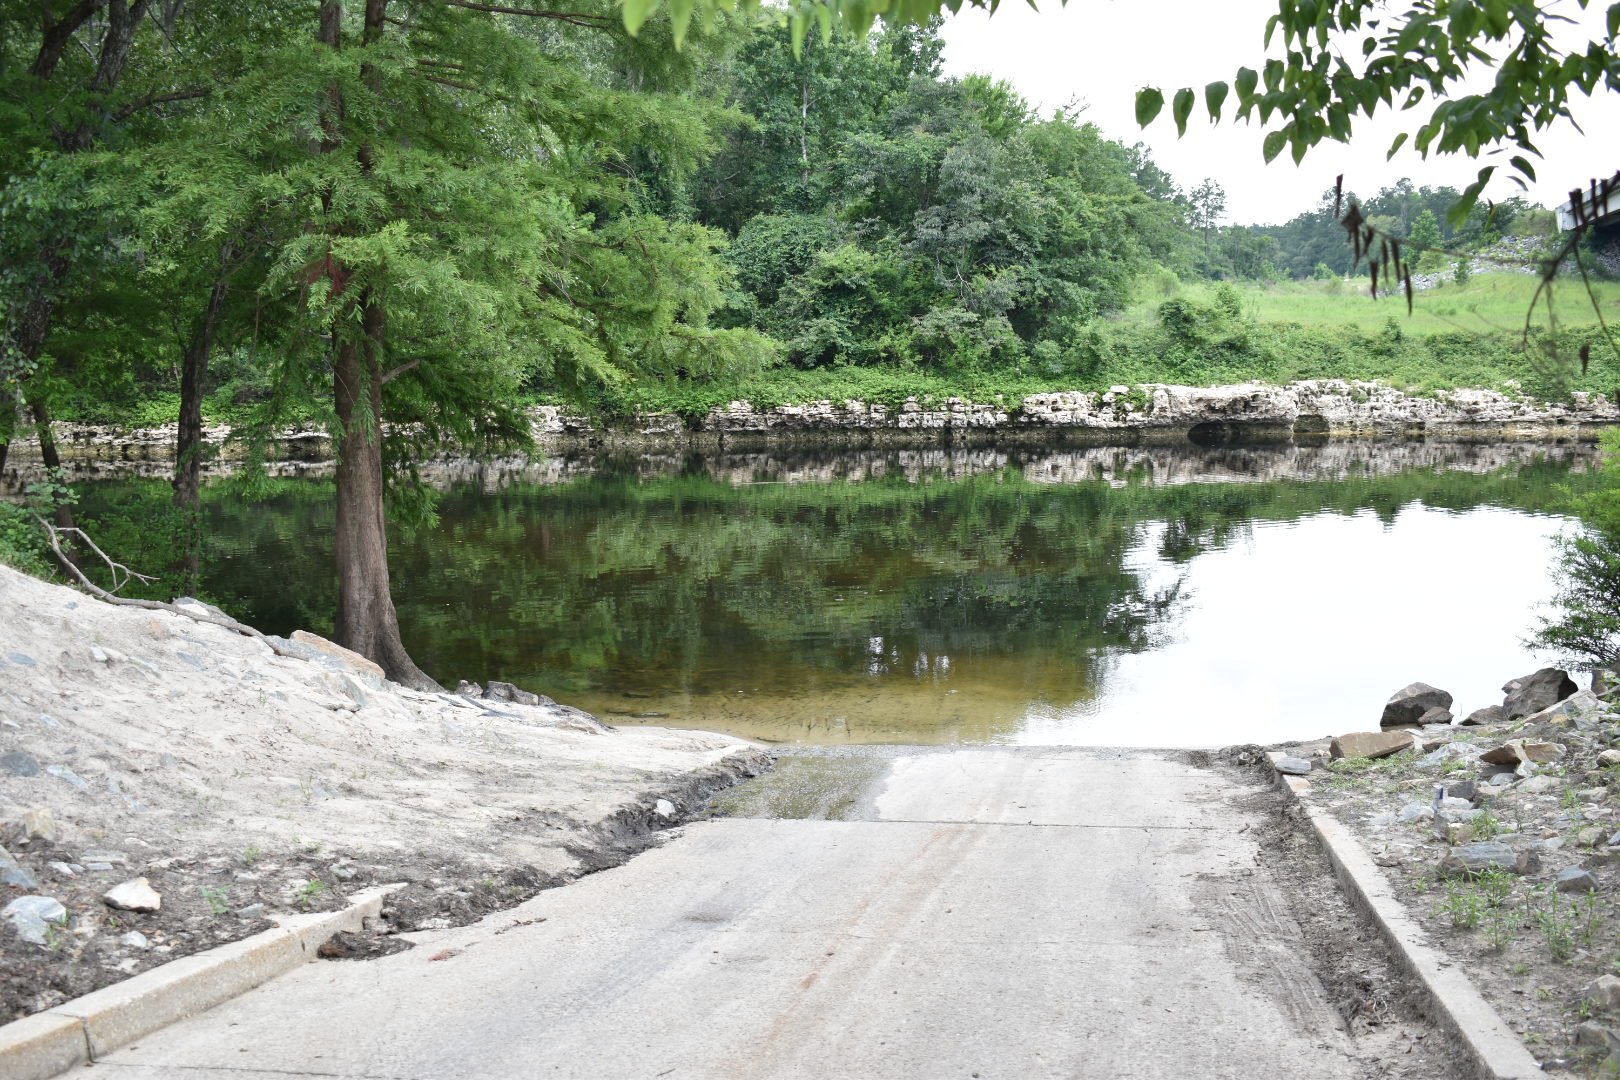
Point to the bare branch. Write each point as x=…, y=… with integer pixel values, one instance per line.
x=1592, y=296
x=54, y=535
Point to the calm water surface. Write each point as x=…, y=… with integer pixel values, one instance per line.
x=1147, y=597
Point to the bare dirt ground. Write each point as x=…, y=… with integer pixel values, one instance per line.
x=242, y=784
x=1387, y=1020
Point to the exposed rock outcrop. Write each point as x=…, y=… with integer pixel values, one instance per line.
x=1045, y=455
x=1146, y=412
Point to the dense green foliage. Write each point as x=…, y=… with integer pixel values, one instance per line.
x=884, y=215
x=1585, y=628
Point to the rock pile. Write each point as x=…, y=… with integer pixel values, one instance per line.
x=1505, y=828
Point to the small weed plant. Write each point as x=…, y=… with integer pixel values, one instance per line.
x=1463, y=905
x=1556, y=921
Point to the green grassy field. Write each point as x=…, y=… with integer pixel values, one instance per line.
x=1487, y=303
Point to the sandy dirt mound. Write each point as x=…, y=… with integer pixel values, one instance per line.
x=241, y=783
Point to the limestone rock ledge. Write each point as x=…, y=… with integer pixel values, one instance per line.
x=1319, y=406
x=1148, y=412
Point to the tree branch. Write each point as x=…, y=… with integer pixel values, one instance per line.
x=390, y=376
x=158, y=99
x=578, y=18
x=58, y=34
x=1596, y=307
x=449, y=82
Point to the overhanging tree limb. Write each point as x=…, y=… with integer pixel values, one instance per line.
x=149, y=100
x=578, y=18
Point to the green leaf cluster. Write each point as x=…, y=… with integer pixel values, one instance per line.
x=885, y=215
x=1340, y=60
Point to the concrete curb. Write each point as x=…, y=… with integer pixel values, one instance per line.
x=80, y=1031
x=1497, y=1051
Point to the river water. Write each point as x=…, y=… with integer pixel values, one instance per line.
x=1107, y=596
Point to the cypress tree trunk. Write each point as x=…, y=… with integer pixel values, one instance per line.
x=188, y=444
x=366, y=619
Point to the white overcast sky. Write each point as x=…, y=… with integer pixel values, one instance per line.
x=1100, y=52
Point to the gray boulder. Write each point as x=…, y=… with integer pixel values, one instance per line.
x=1490, y=714
x=1408, y=704
x=1539, y=690
x=1451, y=751
x=1476, y=858
x=1436, y=716
x=192, y=604
x=1576, y=880
x=1292, y=766
x=1463, y=789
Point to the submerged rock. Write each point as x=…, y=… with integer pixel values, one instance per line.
x=1408, y=704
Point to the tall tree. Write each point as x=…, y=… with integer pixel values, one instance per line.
x=446, y=222
x=1206, y=206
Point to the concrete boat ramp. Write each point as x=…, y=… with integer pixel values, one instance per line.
x=899, y=913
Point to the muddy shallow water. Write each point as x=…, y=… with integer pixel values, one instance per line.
x=1112, y=596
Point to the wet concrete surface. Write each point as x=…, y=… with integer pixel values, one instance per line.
x=897, y=914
